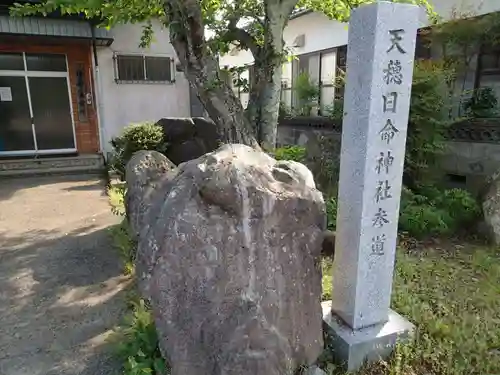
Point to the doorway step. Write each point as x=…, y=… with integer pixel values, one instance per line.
x=93, y=164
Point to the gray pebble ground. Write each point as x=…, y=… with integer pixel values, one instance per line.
x=61, y=288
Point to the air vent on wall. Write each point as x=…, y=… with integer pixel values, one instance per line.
x=299, y=41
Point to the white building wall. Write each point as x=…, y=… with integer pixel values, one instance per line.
x=322, y=33
x=125, y=103
x=319, y=31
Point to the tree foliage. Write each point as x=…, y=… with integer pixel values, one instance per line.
x=202, y=30
x=461, y=37
x=460, y=40
x=428, y=122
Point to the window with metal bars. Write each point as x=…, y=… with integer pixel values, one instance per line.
x=143, y=69
x=490, y=60
x=488, y=68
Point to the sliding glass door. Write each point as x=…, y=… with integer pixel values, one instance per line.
x=35, y=105
x=51, y=113
x=16, y=131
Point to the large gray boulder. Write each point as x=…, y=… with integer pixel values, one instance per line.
x=491, y=209
x=146, y=173
x=231, y=265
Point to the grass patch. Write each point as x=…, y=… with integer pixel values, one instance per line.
x=116, y=194
x=136, y=339
x=126, y=246
x=137, y=343
x=453, y=298
x=122, y=239
x=326, y=281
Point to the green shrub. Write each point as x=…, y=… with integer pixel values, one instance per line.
x=433, y=212
x=461, y=205
x=335, y=111
x=137, y=344
x=424, y=220
x=295, y=153
x=482, y=104
x=307, y=93
x=135, y=137
x=428, y=122
x=331, y=213
x=324, y=163
x=116, y=195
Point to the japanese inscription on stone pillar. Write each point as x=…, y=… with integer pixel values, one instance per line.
x=380, y=60
x=392, y=79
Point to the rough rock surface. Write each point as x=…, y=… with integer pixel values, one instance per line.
x=189, y=138
x=231, y=264
x=491, y=208
x=145, y=171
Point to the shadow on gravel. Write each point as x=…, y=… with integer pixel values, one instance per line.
x=11, y=185
x=60, y=295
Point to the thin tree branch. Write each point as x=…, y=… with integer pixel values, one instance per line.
x=239, y=34
x=245, y=39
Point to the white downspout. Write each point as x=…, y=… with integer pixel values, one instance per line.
x=98, y=95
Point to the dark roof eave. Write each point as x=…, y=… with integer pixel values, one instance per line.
x=300, y=13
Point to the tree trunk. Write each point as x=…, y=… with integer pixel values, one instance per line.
x=270, y=105
x=264, y=102
x=203, y=73
x=265, y=94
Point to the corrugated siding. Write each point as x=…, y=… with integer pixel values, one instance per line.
x=103, y=33
x=49, y=27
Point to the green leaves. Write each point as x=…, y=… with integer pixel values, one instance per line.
x=435, y=212
x=428, y=122
x=220, y=17
x=294, y=153
x=138, y=344
x=340, y=10
x=135, y=137
x=109, y=13
x=201, y=30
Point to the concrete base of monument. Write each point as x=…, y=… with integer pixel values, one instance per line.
x=352, y=349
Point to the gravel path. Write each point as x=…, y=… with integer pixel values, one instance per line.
x=61, y=289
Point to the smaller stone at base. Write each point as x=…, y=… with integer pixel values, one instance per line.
x=352, y=349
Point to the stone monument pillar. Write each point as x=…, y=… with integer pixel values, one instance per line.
x=380, y=60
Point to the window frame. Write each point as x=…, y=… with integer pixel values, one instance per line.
x=296, y=69
x=146, y=81
x=488, y=50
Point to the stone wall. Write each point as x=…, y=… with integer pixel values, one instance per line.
x=303, y=130
x=473, y=149
x=306, y=131
x=471, y=163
